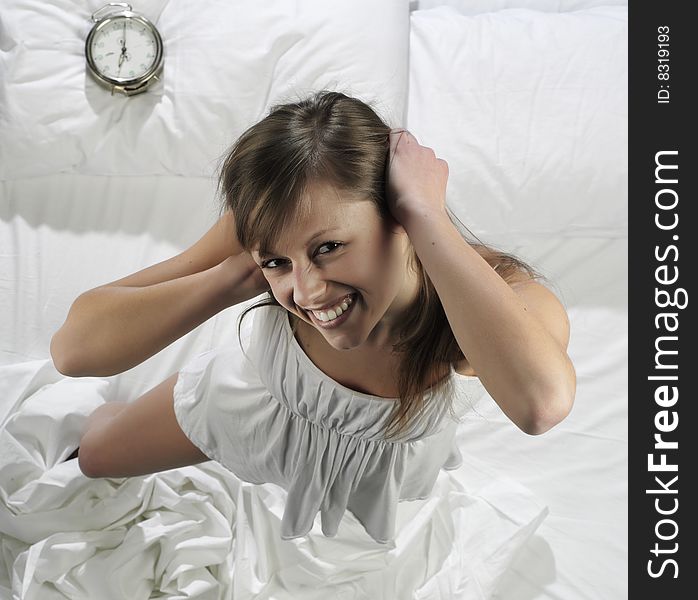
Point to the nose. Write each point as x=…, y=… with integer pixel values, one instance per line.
x=309, y=286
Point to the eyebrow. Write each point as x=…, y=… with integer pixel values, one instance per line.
x=265, y=253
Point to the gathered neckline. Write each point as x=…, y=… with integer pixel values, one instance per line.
x=326, y=377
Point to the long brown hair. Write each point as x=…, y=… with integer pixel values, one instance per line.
x=335, y=138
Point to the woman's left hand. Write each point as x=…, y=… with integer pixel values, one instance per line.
x=415, y=178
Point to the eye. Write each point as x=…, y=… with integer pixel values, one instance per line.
x=335, y=244
x=266, y=264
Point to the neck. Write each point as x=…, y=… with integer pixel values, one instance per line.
x=386, y=333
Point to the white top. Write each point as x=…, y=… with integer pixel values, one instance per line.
x=267, y=413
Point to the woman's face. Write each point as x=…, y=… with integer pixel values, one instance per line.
x=342, y=255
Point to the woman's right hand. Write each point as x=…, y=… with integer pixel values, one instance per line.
x=245, y=277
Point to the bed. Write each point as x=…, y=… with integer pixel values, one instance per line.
x=527, y=102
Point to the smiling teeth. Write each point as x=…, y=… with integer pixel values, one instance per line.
x=333, y=313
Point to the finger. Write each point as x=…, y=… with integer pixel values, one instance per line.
x=400, y=133
x=406, y=136
x=395, y=136
x=410, y=137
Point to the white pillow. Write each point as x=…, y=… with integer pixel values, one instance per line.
x=529, y=109
x=226, y=63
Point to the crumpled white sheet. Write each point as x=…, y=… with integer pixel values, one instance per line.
x=200, y=532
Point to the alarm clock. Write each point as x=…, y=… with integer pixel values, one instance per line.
x=124, y=50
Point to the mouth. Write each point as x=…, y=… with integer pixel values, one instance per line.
x=337, y=321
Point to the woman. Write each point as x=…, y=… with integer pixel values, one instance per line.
x=386, y=305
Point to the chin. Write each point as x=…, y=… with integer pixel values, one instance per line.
x=346, y=346
x=343, y=342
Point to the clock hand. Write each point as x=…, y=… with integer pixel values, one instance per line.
x=124, y=53
x=124, y=50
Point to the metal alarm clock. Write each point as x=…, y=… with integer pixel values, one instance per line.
x=124, y=50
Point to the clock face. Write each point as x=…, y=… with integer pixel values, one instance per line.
x=124, y=49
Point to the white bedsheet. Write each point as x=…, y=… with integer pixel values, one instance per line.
x=578, y=469
x=200, y=532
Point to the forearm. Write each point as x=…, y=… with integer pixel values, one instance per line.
x=111, y=329
x=520, y=364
